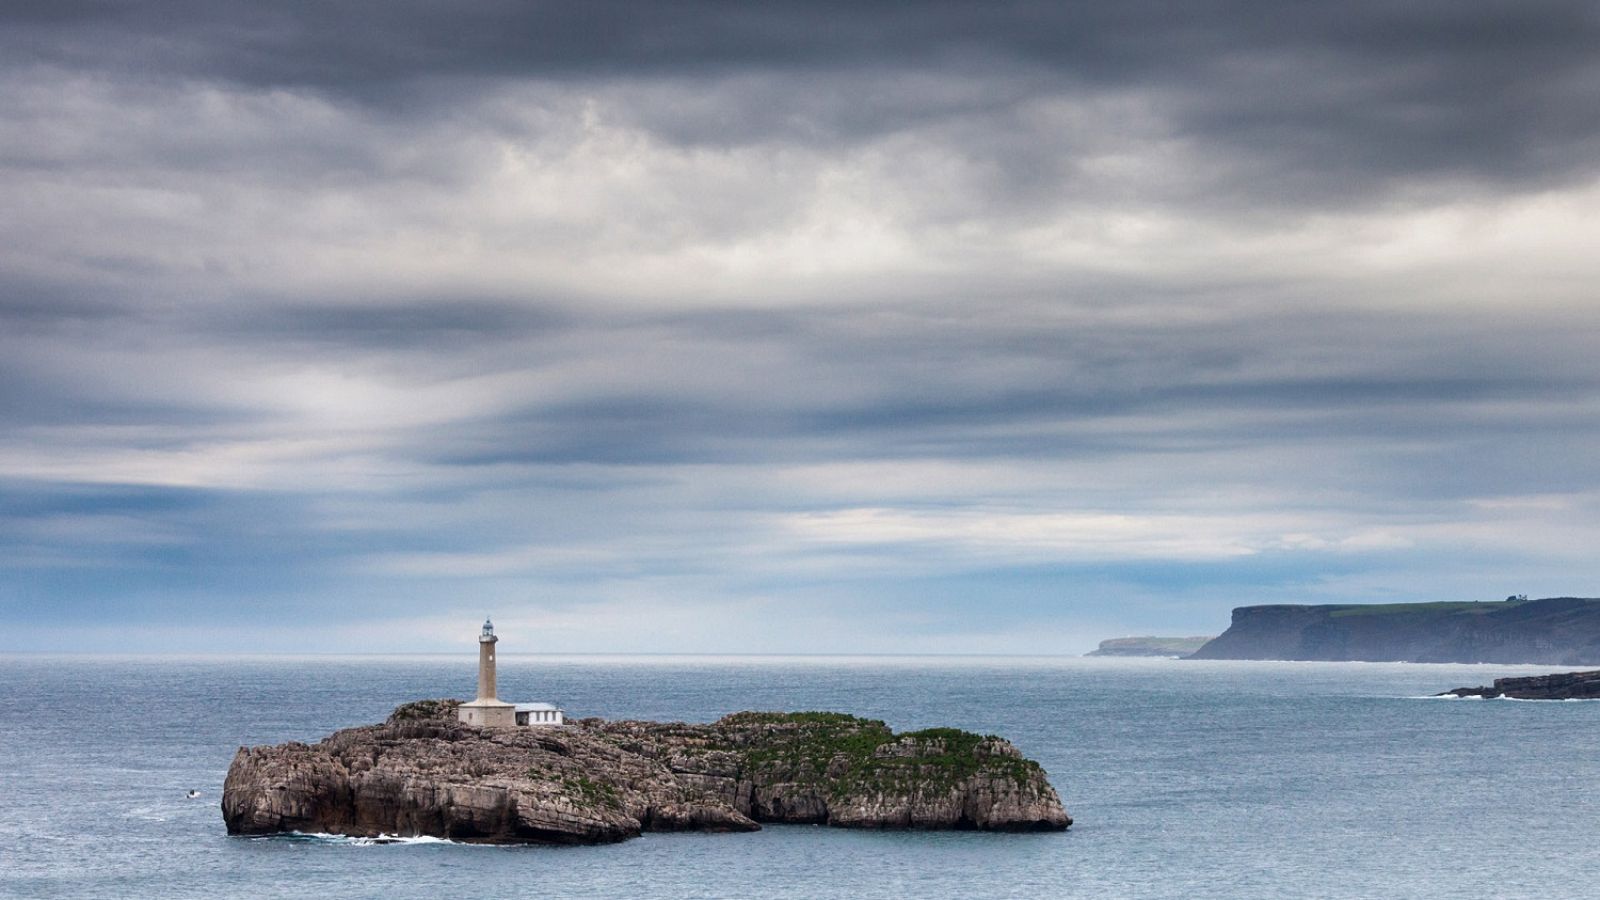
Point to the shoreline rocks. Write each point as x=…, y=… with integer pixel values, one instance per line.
x=594, y=781
x=1563, y=686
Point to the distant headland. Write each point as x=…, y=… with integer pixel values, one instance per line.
x=1553, y=630
x=1149, y=646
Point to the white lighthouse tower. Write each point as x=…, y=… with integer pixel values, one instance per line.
x=487, y=708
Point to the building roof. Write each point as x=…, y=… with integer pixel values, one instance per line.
x=537, y=707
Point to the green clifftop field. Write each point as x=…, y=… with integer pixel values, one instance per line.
x=1149, y=646
x=1556, y=630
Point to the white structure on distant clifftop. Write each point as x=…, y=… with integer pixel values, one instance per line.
x=487, y=709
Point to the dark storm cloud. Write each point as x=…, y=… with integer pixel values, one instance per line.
x=1295, y=101
x=334, y=44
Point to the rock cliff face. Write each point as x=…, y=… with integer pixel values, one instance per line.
x=1564, y=686
x=421, y=773
x=1556, y=630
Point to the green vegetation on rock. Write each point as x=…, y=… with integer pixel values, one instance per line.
x=1442, y=606
x=798, y=718
x=421, y=710
x=592, y=791
x=858, y=756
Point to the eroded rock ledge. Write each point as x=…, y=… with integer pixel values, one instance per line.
x=1562, y=686
x=593, y=781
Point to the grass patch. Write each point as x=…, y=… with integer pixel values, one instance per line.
x=853, y=756
x=800, y=718
x=580, y=787
x=594, y=792
x=423, y=710
x=1399, y=609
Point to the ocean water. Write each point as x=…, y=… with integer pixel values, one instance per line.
x=1187, y=779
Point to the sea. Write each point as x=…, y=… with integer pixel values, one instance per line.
x=1185, y=779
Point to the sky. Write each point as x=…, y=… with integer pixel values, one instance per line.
x=720, y=327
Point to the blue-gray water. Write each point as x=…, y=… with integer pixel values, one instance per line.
x=1187, y=779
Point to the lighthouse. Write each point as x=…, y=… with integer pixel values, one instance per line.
x=486, y=642
x=487, y=708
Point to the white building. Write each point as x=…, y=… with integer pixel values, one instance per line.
x=487, y=710
x=539, y=714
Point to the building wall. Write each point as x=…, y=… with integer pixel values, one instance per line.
x=486, y=716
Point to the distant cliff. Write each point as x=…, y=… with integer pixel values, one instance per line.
x=423, y=773
x=1555, y=630
x=1149, y=646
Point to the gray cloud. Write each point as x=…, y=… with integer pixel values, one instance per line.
x=790, y=313
x=1302, y=103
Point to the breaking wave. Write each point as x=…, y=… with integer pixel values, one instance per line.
x=382, y=840
x=1507, y=699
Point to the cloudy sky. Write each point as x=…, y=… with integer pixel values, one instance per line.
x=821, y=327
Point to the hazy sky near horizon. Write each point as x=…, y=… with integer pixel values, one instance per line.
x=787, y=327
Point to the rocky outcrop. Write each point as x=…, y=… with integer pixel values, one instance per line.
x=593, y=781
x=1564, y=686
x=1556, y=630
x=1149, y=646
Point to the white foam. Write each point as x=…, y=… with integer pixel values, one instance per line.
x=381, y=840
x=1510, y=699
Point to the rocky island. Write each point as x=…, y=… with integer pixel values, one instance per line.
x=423, y=772
x=1555, y=630
x=1149, y=646
x=1563, y=686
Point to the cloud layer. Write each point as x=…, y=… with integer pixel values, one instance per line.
x=787, y=327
